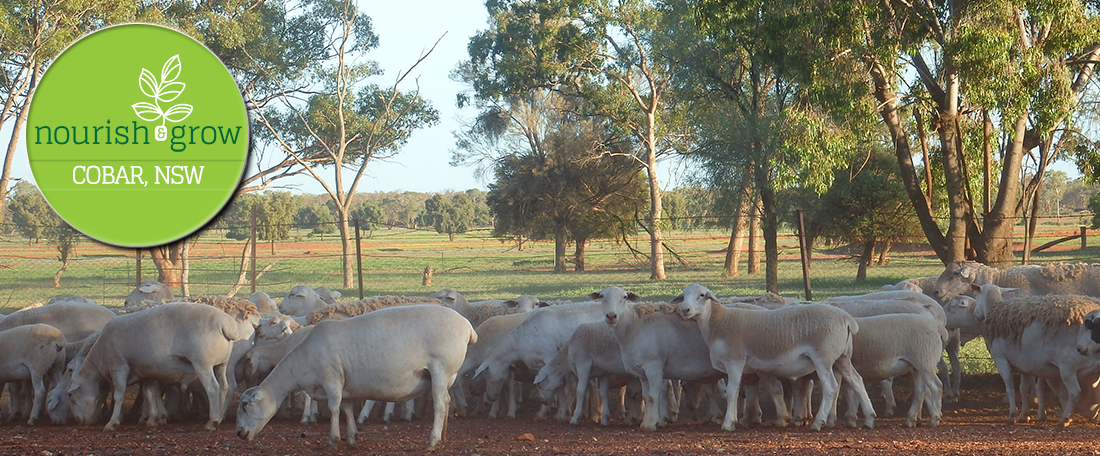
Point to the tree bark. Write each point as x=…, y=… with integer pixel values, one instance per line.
x=994, y=247
x=57, y=277
x=884, y=252
x=656, y=240
x=347, y=245
x=754, y=232
x=769, y=224
x=866, y=258
x=168, y=263
x=737, y=235
x=17, y=128
x=560, y=242
x=579, y=254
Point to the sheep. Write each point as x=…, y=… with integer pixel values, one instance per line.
x=1029, y=280
x=75, y=318
x=919, y=285
x=790, y=342
x=534, y=342
x=57, y=400
x=150, y=290
x=1088, y=337
x=591, y=352
x=264, y=303
x=1030, y=335
x=893, y=345
x=153, y=344
x=276, y=327
x=247, y=318
x=767, y=300
x=342, y=311
x=392, y=354
x=300, y=301
x=489, y=335
x=478, y=312
x=327, y=295
x=30, y=353
x=655, y=344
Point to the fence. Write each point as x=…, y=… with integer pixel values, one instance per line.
x=393, y=261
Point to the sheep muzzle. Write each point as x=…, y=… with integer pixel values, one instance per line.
x=611, y=318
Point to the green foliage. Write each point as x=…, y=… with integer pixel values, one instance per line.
x=275, y=216
x=866, y=202
x=448, y=215
x=236, y=218
x=368, y=214
x=1094, y=206
x=32, y=216
x=317, y=218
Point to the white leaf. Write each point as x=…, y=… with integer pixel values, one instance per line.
x=171, y=91
x=147, y=111
x=148, y=84
x=171, y=69
x=178, y=112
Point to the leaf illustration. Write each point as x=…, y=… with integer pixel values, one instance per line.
x=147, y=111
x=171, y=69
x=148, y=84
x=171, y=91
x=178, y=112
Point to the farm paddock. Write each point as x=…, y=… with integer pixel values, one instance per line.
x=973, y=426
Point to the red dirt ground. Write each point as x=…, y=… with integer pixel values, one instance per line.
x=973, y=426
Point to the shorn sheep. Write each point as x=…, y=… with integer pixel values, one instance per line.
x=787, y=342
x=352, y=309
x=30, y=353
x=478, y=312
x=173, y=343
x=393, y=354
x=1029, y=280
x=149, y=291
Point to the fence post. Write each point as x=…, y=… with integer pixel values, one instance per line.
x=1084, y=238
x=252, y=225
x=359, y=258
x=802, y=248
x=137, y=254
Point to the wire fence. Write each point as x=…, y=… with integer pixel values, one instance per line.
x=394, y=260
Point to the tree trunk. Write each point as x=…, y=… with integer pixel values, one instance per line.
x=737, y=235
x=17, y=128
x=168, y=263
x=656, y=240
x=579, y=254
x=519, y=247
x=770, y=226
x=185, y=266
x=866, y=258
x=348, y=246
x=754, y=232
x=883, y=252
x=57, y=277
x=560, y=242
x=994, y=248
x=451, y=236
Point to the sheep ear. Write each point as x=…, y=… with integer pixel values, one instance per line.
x=633, y=297
x=72, y=388
x=712, y=297
x=1005, y=291
x=678, y=299
x=540, y=377
x=510, y=303
x=595, y=296
x=543, y=304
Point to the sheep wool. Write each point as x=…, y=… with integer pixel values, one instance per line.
x=646, y=308
x=1058, y=272
x=343, y=311
x=232, y=306
x=1008, y=319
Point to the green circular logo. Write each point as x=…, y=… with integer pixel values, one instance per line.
x=137, y=135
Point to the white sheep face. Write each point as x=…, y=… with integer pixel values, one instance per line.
x=82, y=394
x=960, y=312
x=254, y=411
x=613, y=301
x=1087, y=337
x=694, y=301
x=955, y=280
x=548, y=385
x=275, y=328
x=525, y=303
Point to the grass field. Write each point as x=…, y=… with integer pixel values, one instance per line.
x=479, y=266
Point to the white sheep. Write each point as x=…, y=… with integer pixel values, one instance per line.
x=327, y=295
x=29, y=353
x=276, y=327
x=489, y=335
x=790, y=342
x=479, y=311
x=656, y=344
x=893, y=345
x=149, y=291
x=393, y=354
x=174, y=343
x=919, y=285
x=1028, y=280
x=300, y=301
x=591, y=352
x=1033, y=336
x=264, y=303
x=75, y=318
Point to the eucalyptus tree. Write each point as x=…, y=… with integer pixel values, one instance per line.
x=35, y=219
x=603, y=51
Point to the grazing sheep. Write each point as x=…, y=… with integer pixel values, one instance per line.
x=264, y=303
x=1029, y=280
x=150, y=290
x=656, y=344
x=300, y=301
x=591, y=352
x=478, y=312
x=29, y=353
x=393, y=354
x=57, y=400
x=1032, y=335
x=789, y=342
x=489, y=335
x=343, y=311
x=173, y=343
x=75, y=317
x=1088, y=338
x=247, y=318
x=893, y=345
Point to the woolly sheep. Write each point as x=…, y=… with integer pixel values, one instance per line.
x=29, y=353
x=1088, y=338
x=789, y=342
x=1029, y=280
x=264, y=303
x=150, y=344
x=1030, y=334
x=342, y=311
x=382, y=355
x=479, y=311
x=656, y=344
x=300, y=301
x=75, y=318
x=150, y=290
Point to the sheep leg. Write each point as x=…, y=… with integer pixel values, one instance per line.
x=410, y=407
x=494, y=409
x=933, y=397
x=214, y=393
x=1027, y=392
x=15, y=400
x=225, y=393
x=1005, y=369
x=845, y=368
x=888, y=395
x=954, y=344
x=651, y=395
x=514, y=397
x=563, y=404
x=733, y=387
x=349, y=417
x=119, y=376
x=829, y=390
x=1073, y=390
x=583, y=372
x=675, y=398
x=151, y=391
x=387, y=415
x=39, y=397
x=458, y=391
x=309, y=409
x=334, y=393
x=605, y=401
x=367, y=407
x=440, y=404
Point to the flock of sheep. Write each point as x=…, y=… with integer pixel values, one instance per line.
x=737, y=361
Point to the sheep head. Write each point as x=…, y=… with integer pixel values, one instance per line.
x=613, y=302
x=254, y=411
x=695, y=302
x=82, y=392
x=955, y=280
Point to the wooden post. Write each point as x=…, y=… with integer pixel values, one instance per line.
x=805, y=256
x=359, y=258
x=253, y=241
x=1084, y=238
x=137, y=254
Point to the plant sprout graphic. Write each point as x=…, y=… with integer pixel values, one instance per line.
x=164, y=91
